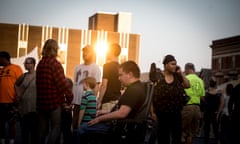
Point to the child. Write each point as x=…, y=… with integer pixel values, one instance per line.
x=67, y=118
x=88, y=107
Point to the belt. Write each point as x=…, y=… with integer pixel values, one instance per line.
x=193, y=104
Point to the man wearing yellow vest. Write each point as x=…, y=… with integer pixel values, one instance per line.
x=191, y=113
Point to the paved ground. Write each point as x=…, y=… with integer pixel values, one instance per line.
x=200, y=140
x=196, y=140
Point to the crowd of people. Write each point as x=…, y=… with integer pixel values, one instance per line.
x=50, y=105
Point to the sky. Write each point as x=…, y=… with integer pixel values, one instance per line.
x=183, y=28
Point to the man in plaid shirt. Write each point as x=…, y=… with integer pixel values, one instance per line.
x=51, y=85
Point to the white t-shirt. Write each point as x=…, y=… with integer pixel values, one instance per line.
x=81, y=72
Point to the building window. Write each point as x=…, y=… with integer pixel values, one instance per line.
x=227, y=62
x=237, y=61
x=215, y=65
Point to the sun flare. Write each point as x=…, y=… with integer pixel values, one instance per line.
x=101, y=49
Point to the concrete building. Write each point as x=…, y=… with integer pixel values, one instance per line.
x=226, y=59
x=104, y=28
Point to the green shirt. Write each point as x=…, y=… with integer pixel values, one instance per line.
x=89, y=104
x=196, y=89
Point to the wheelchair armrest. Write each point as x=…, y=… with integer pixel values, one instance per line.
x=131, y=121
x=126, y=125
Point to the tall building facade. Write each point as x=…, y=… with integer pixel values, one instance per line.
x=20, y=39
x=114, y=22
x=226, y=58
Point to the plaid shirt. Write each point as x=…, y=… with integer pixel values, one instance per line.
x=51, y=84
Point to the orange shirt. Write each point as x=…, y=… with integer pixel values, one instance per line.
x=8, y=77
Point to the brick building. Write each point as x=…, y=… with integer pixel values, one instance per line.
x=226, y=58
x=104, y=28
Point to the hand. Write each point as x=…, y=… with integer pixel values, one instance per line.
x=94, y=121
x=154, y=116
x=99, y=105
x=122, y=90
x=67, y=107
x=101, y=112
x=218, y=116
x=178, y=70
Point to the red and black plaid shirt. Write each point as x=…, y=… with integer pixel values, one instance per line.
x=51, y=84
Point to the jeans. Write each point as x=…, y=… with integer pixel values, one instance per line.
x=7, y=120
x=85, y=129
x=210, y=119
x=50, y=118
x=29, y=125
x=225, y=129
x=169, y=127
x=66, y=127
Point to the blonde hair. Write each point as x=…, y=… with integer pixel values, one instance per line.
x=50, y=48
x=91, y=82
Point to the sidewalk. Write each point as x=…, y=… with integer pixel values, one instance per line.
x=18, y=134
x=200, y=140
x=196, y=140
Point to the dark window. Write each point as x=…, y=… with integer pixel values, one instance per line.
x=215, y=65
x=237, y=61
x=227, y=62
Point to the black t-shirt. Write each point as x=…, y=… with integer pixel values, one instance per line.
x=134, y=97
x=110, y=72
x=212, y=102
x=169, y=96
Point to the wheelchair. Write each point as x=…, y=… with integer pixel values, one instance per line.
x=128, y=131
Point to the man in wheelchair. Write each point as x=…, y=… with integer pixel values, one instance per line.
x=127, y=123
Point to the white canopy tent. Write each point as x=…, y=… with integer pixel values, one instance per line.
x=20, y=60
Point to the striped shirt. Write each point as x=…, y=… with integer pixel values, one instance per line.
x=89, y=104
